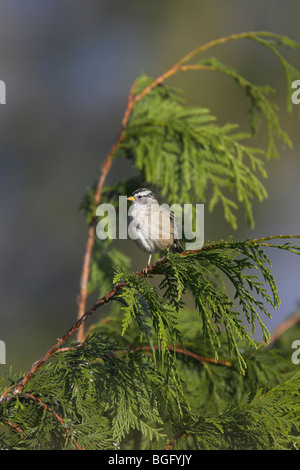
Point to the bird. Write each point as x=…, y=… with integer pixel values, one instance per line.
x=152, y=226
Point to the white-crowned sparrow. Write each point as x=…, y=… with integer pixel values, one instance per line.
x=152, y=226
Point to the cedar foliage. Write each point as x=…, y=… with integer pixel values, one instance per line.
x=153, y=373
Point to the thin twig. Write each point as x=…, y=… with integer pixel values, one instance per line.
x=17, y=428
x=283, y=327
x=56, y=415
x=272, y=237
x=100, y=302
x=85, y=271
x=197, y=357
x=38, y=364
x=48, y=408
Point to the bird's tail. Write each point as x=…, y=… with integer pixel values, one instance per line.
x=177, y=247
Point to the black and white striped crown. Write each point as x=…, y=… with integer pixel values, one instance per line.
x=143, y=192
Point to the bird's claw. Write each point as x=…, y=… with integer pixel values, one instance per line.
x=145, y=270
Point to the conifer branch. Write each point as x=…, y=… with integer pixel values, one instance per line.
x=138, y=376
x=40, y=362
x=135, y=97
x=198, y=357
x=151, y=270
x=56, y=415
x=47, y=408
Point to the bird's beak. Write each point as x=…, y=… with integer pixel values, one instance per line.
x=131, y=198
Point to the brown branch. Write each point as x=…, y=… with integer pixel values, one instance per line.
x=38, y=364
x=283, y=327
x=200, y=358
x=185, y=352
x=179, y=65
x=85, y=272
x=272, y=237
x=100, y=302
x=17, y=428
x=106, y=166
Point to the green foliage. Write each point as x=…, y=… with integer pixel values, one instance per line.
x=196, y=273
x=182, y=151
x=172, y=363
x=109, y=395
x=104, y=259
x=260, y=105
x=167, y=375
x=256, y=424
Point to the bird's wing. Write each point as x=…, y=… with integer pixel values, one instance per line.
x=177, y=247
x=167, y=215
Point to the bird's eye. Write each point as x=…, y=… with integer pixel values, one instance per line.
x=139, y=197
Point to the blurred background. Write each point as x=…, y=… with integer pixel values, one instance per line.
x=68, y=67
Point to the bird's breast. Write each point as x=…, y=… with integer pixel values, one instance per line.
x=150, y=228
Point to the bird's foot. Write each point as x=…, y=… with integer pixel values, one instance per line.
x=145, y=270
